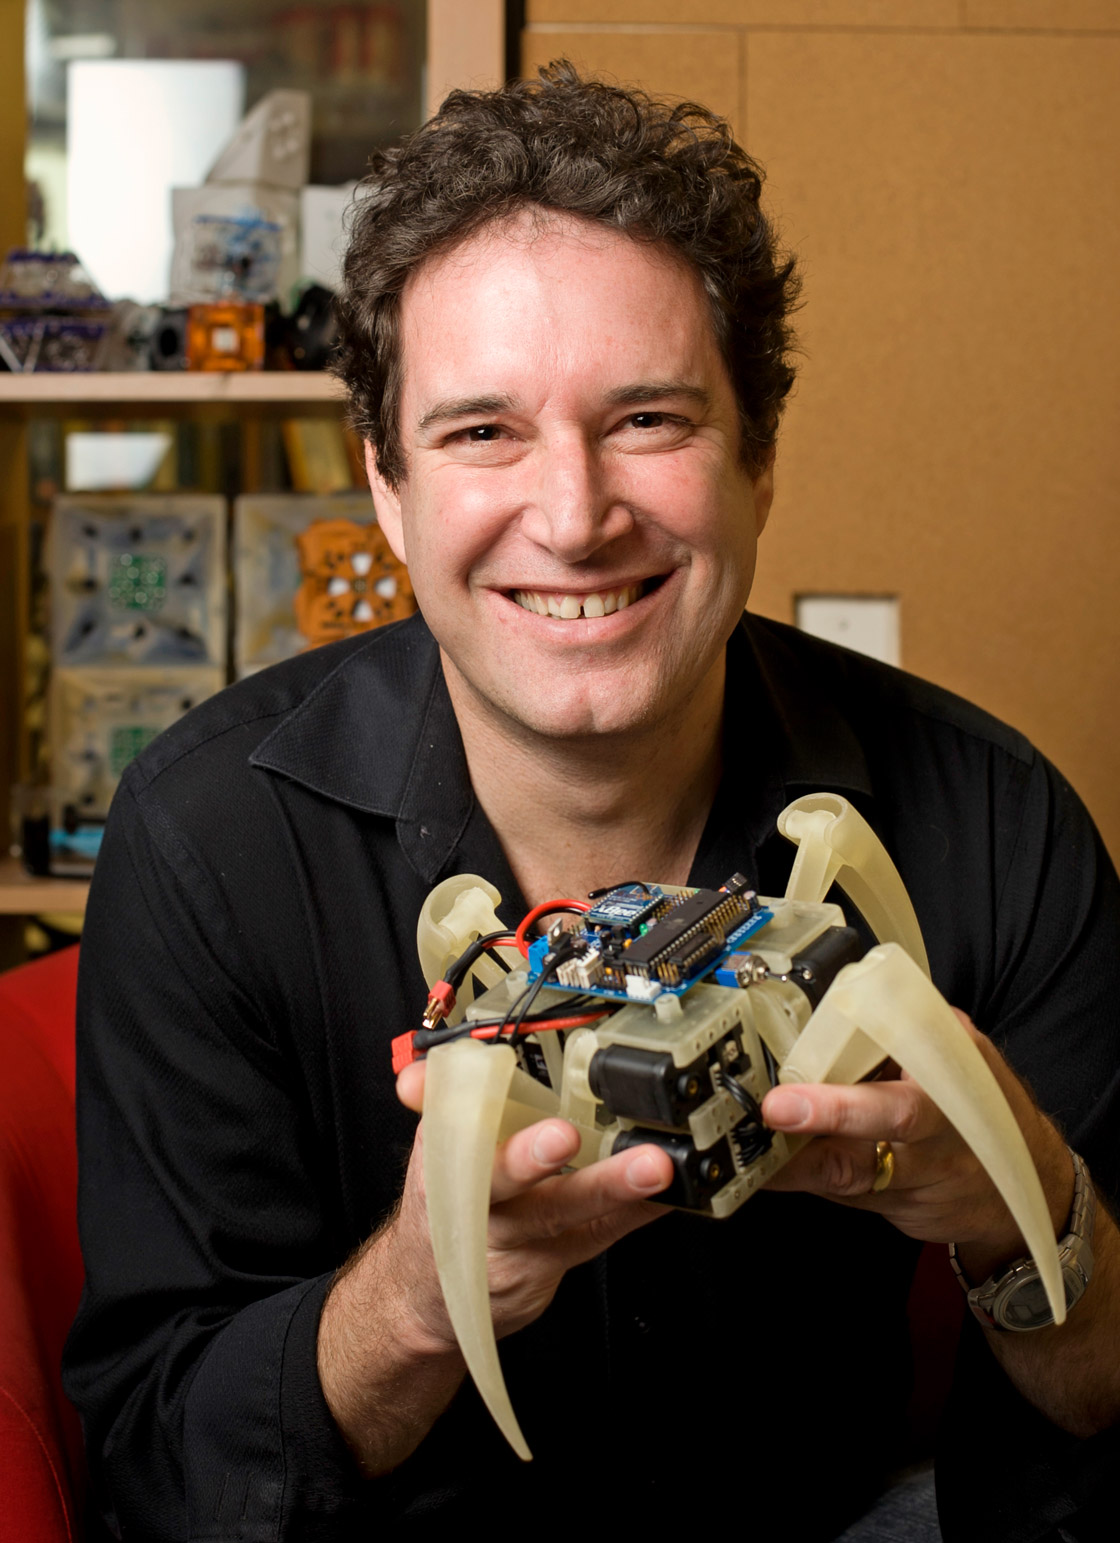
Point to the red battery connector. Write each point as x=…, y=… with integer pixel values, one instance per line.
x=441, y=999
x=404, y=1051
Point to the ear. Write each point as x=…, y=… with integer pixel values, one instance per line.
x=764, y=494
x=387, y=505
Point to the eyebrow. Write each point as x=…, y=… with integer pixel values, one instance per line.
x=632, y=395
x=656, y=391
x=464, y=407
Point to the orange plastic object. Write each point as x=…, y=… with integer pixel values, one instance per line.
x=351, y=581
x=225, y=337
x=404, y=1051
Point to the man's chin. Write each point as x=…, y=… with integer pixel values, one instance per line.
x=576, y=715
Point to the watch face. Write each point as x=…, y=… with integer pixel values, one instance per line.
x=1025, y=1306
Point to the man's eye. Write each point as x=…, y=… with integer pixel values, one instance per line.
x=489, y=444
x=648, y=420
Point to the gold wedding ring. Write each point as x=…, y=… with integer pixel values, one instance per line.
x=884, y=1167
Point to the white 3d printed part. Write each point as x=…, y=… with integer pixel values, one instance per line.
x=464, y=1092
x=835, y=844
x=457, y=912
x=883, y=1005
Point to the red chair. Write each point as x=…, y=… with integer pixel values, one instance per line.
x=41, y=1462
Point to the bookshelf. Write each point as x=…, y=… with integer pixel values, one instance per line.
x=244, y=399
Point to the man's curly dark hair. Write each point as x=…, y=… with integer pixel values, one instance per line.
x=660, y=172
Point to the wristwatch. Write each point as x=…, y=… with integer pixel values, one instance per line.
x=1016, y=1299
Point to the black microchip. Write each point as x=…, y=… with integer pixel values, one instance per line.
x=671, y=929
x=689, y=958
x=681, y=922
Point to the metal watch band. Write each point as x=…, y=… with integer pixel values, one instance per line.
x=1014, y=1299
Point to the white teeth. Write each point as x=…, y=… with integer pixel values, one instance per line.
x=568, y=607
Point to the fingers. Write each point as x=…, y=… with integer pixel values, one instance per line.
x=532, y=1155
x=930, y=1161
x=546, y=1210
x=410, y=1086
x=874, y=1111
x=543, y=1221
x=937, y=1190
x=890, y=1108
x=835, y=1169
x=563, y=1221
x=571, y=1216
x=542, y=1150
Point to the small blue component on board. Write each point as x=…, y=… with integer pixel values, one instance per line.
x=538, y=948
x=626, y=907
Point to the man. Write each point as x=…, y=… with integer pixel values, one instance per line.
x=565, y=338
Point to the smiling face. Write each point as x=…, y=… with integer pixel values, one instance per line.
x=577, y=522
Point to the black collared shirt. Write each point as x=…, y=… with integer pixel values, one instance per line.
x=250, y=953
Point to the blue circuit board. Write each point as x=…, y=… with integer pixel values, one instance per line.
x=734, y=941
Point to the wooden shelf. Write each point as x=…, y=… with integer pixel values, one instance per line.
x=23, y=895
x=241, y=398
x=148, y=391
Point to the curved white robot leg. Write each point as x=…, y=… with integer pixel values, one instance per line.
x=464, y=1097
x=835, y=844
x=884, y=1005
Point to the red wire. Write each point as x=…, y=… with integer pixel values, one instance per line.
x=544, y=910
x=506, y=940
x=535, y=1028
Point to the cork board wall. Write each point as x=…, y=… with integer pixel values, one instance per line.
x=13, y=109
x=946, y=172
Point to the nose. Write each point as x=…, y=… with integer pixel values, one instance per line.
x=573, y=510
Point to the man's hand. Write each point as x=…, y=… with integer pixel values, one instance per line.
x=941, y=1194
x=542, y=1222
x=388, y=1360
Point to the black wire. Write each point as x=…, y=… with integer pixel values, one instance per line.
x=739, y=1093
x=607, y=889
x=565, y=948
x=526, y=1001
x=568, y=1009
x=771, y=1064
x=755, y=1139
x=457, y=974
x=427, y=1039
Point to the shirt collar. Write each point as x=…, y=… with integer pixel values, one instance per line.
x=379, y=734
